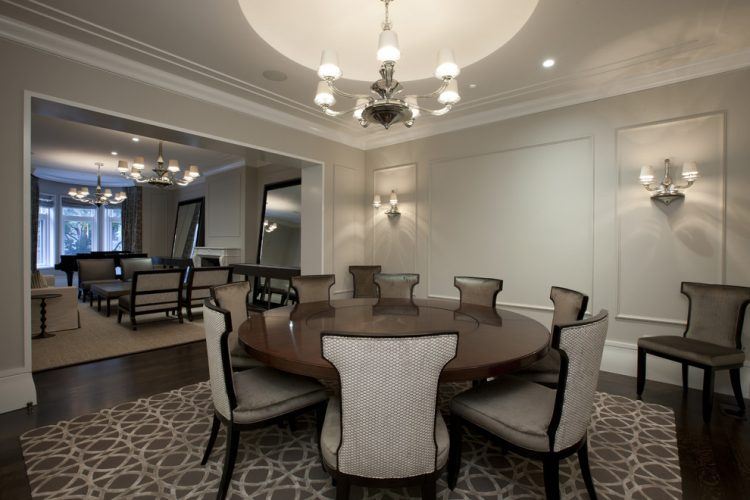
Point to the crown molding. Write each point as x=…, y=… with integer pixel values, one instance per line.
x=716, y=65
x=68, y=48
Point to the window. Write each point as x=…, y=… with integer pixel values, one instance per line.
x=112, y=228
x=45, y=249
x=79, y=227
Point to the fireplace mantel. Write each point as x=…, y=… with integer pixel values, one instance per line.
x=226, y=256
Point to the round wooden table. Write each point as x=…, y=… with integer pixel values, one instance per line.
x=491, y=341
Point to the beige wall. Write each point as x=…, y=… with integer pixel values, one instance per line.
x=531, y=199
x=44, y=74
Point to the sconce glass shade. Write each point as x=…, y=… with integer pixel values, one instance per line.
x=135, y=173
x=174, y=166
x=446, y=65
x=329, y=65
x=73, y=192
x=360, y=107
x=647, y=175
x=413, y=106
x=690, y=171
x=450, y=94
x=388, y=49
x=376, y=201
x=138, y=163
x=122, y=166
x=324, y=95
x=394, y=199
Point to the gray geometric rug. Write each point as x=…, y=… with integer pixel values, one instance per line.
x=152, y=448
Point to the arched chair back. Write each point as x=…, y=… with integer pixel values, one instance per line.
x=717, y=313
x=396, y=286
x=313, y=288
x=217, y=323
x=388, y=402
x=581, y=345
x=363, y=278
x=570, y=305
x=478, y=291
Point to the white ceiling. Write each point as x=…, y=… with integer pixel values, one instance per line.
x=602, y=47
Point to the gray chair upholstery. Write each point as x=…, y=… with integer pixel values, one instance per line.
x=570, y=306
x=386, y=425
x=712, y=340
x=249, y=398
x=478, y=291
x=133, y=265
x=233, y=297
x=92, y=271
x=199, y=283
x=535, y=420
x=396, y=286
x=363, y=278
x=152, y=292
x=313, y=288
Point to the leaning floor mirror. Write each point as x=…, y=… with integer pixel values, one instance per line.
x=188, y=229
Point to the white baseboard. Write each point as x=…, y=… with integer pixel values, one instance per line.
x=622, y=358
x=16, y=391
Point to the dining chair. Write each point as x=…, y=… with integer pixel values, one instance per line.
x=233, y=297
x=363, y=279
x=537, y=421
x=92, y=271
x=712, y=340
x=313, y=288
x=152, y=292
x=396, y=286
x=478, y=291
x=569, y=306
x=251, y=398
x=134, y=264
x=385, y=430
x=199, y=283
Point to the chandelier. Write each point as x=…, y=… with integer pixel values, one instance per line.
x=162, y=177
x=100, y=196
x=269, y=228
x=387, y=104
x=667, y=191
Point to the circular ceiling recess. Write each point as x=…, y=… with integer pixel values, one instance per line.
x=301, y=29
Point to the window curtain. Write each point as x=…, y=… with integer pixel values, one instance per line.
x=132, y=219
x=34, y=220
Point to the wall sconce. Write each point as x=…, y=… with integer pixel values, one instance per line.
x=667, y=191
x=376, y=201
x=393, y=211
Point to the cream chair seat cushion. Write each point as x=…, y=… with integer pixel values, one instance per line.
x=515, y=410
x=264, y=393
x=330, y=437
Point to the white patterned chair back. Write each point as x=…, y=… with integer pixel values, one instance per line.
x=157, y=287
x=581, y=346
x=388, y=401
x=217, y=323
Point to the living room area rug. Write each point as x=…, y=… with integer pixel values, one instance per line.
x=152, y=448
x=101, y=337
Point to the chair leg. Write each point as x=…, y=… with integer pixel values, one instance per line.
x=189, y=312
x=342, y=488
x=454, y=452
x=583, y=460
x=428, y=489
x=708, y=393
x=133, y=324
x=119, y=316
x=734, y=376
x=685, y=368
x=320, y=415
x=641, y=372
x=179, y=315
x=211, y=439
x=552, y=478
x=233, y=440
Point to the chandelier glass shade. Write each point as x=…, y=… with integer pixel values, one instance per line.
x=387, y=102
x=100, y=196
x=162, y=176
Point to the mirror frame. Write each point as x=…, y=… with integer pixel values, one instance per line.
x=201, y=239
x=266, y=189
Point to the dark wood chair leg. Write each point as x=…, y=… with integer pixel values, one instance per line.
x=734, y=376
x=211, y=439
x=133, y=324
x=189, y=312
x=641, y=371
x=119, y=316
x=708, y=393
x=233, y=440
x=583, y=460
x=179, y=315
x=552, y=478
x=99, y=304
x=342, y=488
x=429, y=490
x=685, y=368
x=454, y=453
x=320, y=415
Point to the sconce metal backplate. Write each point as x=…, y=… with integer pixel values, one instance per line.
x=393, y=212
x=667, y=198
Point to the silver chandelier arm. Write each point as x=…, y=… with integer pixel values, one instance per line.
x=332, y=112
x=435, y=93
x=685, y=186
x=341, y=93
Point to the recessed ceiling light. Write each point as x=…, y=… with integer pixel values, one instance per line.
x=548, y=63
x=472, y=85
x=135, y=139
x=274, y=75
x=114, y=153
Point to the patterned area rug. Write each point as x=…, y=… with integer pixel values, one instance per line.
x=152, y=448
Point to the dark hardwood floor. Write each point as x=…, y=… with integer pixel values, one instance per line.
x=715, y=459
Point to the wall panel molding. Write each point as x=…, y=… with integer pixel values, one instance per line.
x=407, y=222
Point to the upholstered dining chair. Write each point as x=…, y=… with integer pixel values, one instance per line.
x=569, y=306
x=233, y=297
x=152, y=292
x=313, y=288
x=385, y=429
x=478, y=291
x=712, y=340
x=199, y=283
x=534, y=420
x=132, y=265
x=250, y=398
x=364, y=282
x=92, y=271
x=396, y=286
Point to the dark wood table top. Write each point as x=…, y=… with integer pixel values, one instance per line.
x=112, y=288
x=491, y=341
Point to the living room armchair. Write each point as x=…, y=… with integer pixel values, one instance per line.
x=62, y=311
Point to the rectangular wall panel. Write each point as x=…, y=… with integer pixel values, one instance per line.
x=348, y=237
x=395, y=239
x=661, y=246
x=524, y=215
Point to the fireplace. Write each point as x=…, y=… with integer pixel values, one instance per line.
x=210, y=261
x=216, y=256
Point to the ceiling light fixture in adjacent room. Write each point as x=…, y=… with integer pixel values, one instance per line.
x=100, y=196
x=163, y=177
